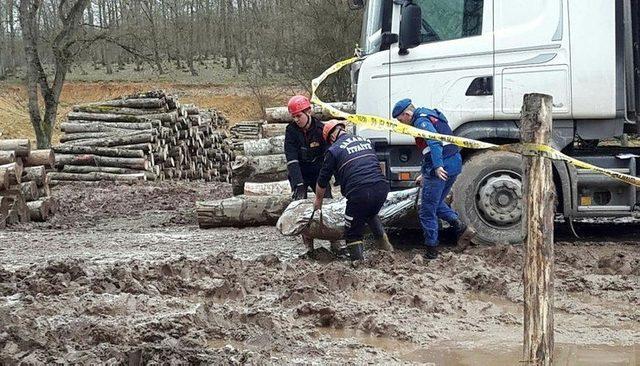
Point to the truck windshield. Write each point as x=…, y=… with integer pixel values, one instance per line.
x=372, y=27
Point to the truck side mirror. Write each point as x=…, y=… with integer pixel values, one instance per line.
x=356, y=4
x=410, y=25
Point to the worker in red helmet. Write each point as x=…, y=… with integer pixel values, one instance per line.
x=304, y=149
x=353, y=161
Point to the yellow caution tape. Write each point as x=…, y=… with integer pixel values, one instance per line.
x=383, y=124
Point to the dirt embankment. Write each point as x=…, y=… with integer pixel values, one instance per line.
x=140, y=284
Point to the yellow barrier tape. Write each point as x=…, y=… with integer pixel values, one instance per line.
x=383, y=124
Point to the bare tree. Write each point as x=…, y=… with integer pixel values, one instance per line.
x=71, y=17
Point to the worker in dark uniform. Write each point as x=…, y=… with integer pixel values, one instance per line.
x=353, y=161
x=304, y=149
x=441, y=164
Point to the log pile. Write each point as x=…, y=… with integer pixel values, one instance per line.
x=24, y=186
x=147, y=136
x=242, y=132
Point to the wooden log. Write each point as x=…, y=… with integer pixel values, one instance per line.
x=281, y=114
x=129, y=103
x=81, y=169
x=96, y=176
x=267, y=189
x=273, y=129
x=104, y=117
x=154, y=123
x=37, y=174
x=5, y=203
x=145, y=147
x=96, y=160
x=118, y=110
x=270, y=146
x=117, y=140
x=75, y=137
x=102, y=151
x=70, y=127
x=241, y=211
x=21, y=147
x=11, y=173
x=39, y=210
x=18, y=207
x=43, y=157
x=539, y=202
x=29, y=191
x=258, y=169
x=7, y=157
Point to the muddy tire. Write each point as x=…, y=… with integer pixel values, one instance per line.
x=488, y=196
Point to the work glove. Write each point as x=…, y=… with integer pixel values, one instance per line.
x=300, y=192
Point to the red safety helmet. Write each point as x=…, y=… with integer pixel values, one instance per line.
x=328, y=128
x=297, y=104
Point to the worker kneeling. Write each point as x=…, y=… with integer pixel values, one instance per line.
x=353, y=161
x=441, y=164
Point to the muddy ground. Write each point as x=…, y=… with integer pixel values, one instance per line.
x=122, y=275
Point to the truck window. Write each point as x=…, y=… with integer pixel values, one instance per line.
x=443, y=20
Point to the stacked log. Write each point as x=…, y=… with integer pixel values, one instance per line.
x=242, y=132
x=146, y=136
x=24, y=186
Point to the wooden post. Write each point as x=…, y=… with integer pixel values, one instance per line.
x=539, y=200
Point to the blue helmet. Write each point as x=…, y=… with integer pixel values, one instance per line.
x=400, y=107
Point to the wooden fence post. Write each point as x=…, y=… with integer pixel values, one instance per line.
x=539, y=202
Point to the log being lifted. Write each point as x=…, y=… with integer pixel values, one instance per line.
x=96, y=160
x=70, y=127
x=269, y=146
x=101, y=151
x=40, y=158
x=267, y=189
x=21, y=147
x=7, y=157
x=281, y=114
x=241, y=211
x=97, y=176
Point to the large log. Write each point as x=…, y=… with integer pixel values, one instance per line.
x=18, y=211
x=80, y=169
x=7, y=157
x=42, y=209
x=241, y=211
x=281, y=114
x=96, y=160
x=270, y=146
x=104, y=117
x=96, y=176
x=258, y=169
x=11, y=173
x=128, y=103
x=117, y=110
x=70, y=127
x=273, y=129
x=36, y=174
x=44, y=158
x=29, y=191
x=117, y=140
x=75, y=137
x=102, y=151
x=154, y=122
x=21, y=147
x=267, y=189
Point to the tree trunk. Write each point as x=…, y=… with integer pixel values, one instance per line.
x=539, y=202
x=241, y=211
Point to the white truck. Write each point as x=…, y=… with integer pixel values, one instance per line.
x=474, y=60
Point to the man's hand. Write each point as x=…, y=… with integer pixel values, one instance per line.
x=317, y=204
x=419, y=180
x=441, y=173
x=300, y=192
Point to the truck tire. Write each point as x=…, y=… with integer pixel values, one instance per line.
x=488, y=196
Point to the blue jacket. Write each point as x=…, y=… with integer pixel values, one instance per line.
x=437, y=152
x=354, y=163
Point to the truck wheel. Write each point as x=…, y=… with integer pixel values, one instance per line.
x=488, y=196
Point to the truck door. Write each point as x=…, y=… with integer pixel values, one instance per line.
x=453, y=68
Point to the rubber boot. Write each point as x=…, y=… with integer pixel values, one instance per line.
x=338, y=249
x=356, y=250
x=383, y=243
x=464, y=234
x=431, y=253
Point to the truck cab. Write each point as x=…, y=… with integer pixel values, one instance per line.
x=474, y=60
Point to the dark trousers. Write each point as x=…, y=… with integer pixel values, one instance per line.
x=363, y=206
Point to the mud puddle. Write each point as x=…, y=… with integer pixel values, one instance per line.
x=470, y=353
